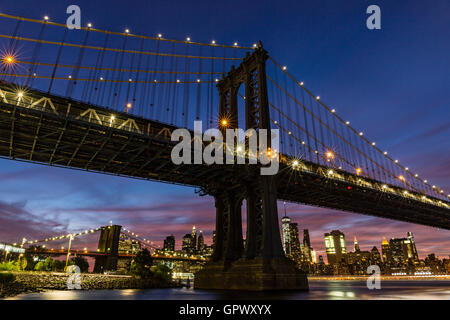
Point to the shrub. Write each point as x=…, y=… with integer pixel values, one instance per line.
x=9, y=266
x=6, y=278
x=40, y=266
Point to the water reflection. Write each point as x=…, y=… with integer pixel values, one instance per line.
x=328, y=290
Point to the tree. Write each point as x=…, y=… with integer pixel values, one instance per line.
x=39, y=266
x=48, y=264
x=140, y=266
x=58, y=265
x=162, y=272
x=9, y=266
x=80, y=262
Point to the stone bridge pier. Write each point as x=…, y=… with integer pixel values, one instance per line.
x=260, y=264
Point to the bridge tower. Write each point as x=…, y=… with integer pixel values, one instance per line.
x=260, y=264
x=108, y=244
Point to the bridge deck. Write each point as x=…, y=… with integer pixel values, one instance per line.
x=56, y=131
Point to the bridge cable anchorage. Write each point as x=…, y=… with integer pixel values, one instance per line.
x=158, y=38
x=332, y=111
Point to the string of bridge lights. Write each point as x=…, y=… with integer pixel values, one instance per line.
x=66, y=236
x=328, y=152
x=296, y=164
x=435, y=188
x=83, y=233
x=101, y=79
x=127, y=32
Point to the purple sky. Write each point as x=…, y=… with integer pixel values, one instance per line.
x=394, y=84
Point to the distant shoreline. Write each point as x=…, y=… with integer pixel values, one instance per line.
x=383, y=277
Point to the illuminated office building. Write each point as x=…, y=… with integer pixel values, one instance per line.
x=386, y=251
x=286, y=231
x=414, y=254
x=200, y=242
x=186, y=243
x=193, y=239
x=295, y=251
x=169, y=243
x=336, y=247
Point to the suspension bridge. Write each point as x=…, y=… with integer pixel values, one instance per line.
x=108, y=102
x=115, y=243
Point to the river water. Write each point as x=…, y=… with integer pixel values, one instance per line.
x=319, y=289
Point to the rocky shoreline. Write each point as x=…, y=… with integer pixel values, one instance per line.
x=27, y=282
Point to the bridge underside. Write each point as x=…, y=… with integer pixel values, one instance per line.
x=64, y=134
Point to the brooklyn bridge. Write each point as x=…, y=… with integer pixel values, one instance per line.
x=108, y=102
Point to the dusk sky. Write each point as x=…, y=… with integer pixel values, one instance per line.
x=393, y=84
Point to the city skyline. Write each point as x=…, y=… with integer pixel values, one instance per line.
x=38, y=200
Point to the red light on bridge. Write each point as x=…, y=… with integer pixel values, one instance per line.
x=349, y=188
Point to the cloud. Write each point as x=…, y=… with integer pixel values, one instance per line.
x=17, y=222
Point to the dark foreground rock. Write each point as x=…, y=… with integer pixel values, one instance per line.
x=26, y=282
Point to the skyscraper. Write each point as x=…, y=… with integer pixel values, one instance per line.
x=194, y=239
x=415, y=255
x=356, y=245
x=200, y=242
x=285, y=230
x=375, y=255
x=336, y=247
x=169, y=243
x=295, y=253
x=403, y=249
x=186, y=244
x=306, y=239
x=386, y=251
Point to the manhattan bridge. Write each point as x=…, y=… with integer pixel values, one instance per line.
x=108, y=102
